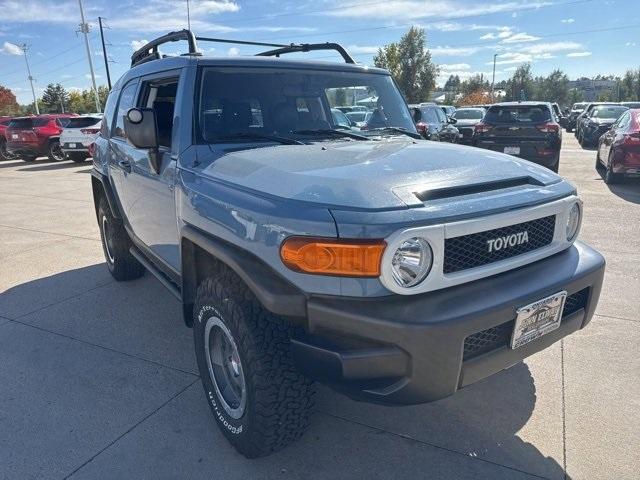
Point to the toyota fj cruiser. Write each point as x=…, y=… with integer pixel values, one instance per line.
x=394, y=269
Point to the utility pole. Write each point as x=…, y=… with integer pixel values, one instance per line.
x=104, y=54
x=24, y=47
x=493, y=80
x=188, y=16
x=84, y=28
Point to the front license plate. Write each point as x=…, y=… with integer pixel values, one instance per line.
x=537, y=319
x=460, y=135
x=14, y=136
x=512, y=150
x=72, y=145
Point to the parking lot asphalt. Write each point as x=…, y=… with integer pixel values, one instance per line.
x=98, y=378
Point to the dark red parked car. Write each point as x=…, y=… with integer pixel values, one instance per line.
x=4, y=122
x=619, y=148
x=32, y=137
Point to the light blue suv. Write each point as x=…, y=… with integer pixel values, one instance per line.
x=394, y=269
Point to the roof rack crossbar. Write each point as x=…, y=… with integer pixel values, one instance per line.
x=150, y=50
x=240, y=42
x=308, y=47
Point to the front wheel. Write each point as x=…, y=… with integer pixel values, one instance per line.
x=55, y=152
x=259, y=399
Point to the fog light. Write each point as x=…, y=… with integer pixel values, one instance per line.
x=411, y=262
x=573, y=222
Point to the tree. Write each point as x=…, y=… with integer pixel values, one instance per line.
x=474, y=84
x=410, y=64
x=521, y=86
x=479, y=97
x=555, y=88
x=452, y=84
x=575, y=96
x=55, y=98
x=8, y=104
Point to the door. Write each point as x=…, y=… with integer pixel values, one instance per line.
x=149, y=197
x=152, y=208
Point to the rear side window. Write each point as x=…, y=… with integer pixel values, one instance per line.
x=429, y=115
x=518, y=114
x=82, y=122
x=63, y=122
x=21, y=123
x=468, y=114
x=109, y=108
x=127, y=101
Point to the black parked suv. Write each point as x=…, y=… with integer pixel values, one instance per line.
x=524, y=129
x=432, y=123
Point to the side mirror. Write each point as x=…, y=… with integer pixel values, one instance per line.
x=451, y=120
x=417, y=115
x=141, y=129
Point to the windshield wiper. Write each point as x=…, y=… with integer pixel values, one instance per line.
x=258, y=136
x=401, y=130
x=331, y=131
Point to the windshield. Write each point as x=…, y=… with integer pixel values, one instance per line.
x=292, y=103
x=609, y=111
x=471, y=114
x=518, y=114
x=579, y=106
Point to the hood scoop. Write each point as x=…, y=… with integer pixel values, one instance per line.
x=460, y=190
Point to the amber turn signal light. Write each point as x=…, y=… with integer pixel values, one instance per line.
x=348, y=258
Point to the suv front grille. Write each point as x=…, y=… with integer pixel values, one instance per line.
x=499, y=336
x=470, y=251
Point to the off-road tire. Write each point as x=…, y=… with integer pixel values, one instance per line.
x=279, y=399
x=54, y=152
x=116, y=244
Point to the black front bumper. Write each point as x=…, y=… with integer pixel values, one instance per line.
x=411, y=349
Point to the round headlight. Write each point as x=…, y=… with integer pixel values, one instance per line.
x=411, y=262
x=573, y=222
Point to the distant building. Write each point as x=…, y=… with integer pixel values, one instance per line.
x=592, y=89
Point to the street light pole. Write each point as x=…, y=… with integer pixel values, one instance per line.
x=24, y=49
x=84, y=28
x=493, y=79
x=104, y=54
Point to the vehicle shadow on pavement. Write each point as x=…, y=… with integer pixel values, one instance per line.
x=473, y=434
x=50, y=166
x=627, y=188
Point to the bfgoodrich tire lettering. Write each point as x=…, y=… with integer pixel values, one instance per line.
x=278, y=397
x=116, y=244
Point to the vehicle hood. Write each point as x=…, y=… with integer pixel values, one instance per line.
x=372, y=175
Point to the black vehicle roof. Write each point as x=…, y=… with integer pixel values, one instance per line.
x=170, y=63
x=515, y=104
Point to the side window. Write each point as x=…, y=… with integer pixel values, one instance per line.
x=442, y=118
x=160, y=95
x=109, y=108
x=623, y=122
x=127, y=101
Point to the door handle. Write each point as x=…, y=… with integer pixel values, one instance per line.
x=125, y=165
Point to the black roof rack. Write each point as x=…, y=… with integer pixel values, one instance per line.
x=150, y=50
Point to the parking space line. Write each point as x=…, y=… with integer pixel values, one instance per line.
x=49, y=233
x=564, y=411
x=133, y=427
x=433, y=445
x=69, y=337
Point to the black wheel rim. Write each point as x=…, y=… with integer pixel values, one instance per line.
x=225, y=367
x=56, y=152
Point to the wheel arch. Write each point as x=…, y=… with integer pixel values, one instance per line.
x=203, y=256
x=102, y=188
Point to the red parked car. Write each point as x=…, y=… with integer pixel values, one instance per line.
x=32, y=137
x=4, y=121
x=619, y=148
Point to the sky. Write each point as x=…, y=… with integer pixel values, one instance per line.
x=581, y=37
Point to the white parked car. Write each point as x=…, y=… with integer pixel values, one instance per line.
x=79, y=133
